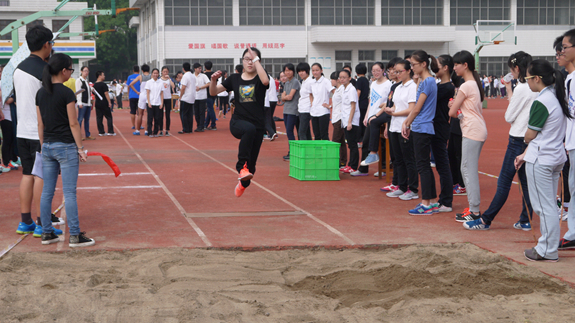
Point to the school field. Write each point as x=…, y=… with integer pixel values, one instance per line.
x=174, y=244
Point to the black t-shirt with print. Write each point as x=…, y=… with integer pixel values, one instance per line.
x=249, y=96
x=101, y=88
x=445, y=92
x=54, y=112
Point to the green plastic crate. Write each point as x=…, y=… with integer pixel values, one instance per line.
x=314, y=149
x=314, y=163
x=314, y=174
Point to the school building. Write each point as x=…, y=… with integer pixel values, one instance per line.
x=79, y=49
x=338, y=32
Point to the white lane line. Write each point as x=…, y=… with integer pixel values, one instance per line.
x=112, y=174
x=493, y=176
x=170, y=195
x=117, y=187
x=327, y=226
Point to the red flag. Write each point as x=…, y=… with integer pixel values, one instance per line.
x=108, y=161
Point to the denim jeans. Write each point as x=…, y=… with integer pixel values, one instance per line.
x=515, y=147
x=60, y=156
x=84, y=114
x=211, y=118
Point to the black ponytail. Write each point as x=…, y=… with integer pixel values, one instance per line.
x=447, y=60
x=521, y=60
x=549, y=75
x=56, y=64
x=422, y=57
x=463, y=57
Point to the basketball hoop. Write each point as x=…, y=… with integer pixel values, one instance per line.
x=497, y=42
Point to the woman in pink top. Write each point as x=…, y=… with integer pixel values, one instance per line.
x=473, y=129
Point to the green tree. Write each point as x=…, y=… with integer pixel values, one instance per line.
x=116, y=51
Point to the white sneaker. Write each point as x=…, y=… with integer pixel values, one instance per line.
x=376, y=174
x=111, y=134
x=409, y=195
x=443, y=208
x=396, y=193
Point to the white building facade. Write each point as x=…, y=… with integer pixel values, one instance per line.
x=339, y=32
x=80, y=50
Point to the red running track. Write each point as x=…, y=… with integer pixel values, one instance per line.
x=179, y=192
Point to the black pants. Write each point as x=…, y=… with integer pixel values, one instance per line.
x=362, y=113
x=14, y=115
x=422, y=148
x=566, y=191
x=168, y=110
x=102, y=112
x=404, y=162
x=320, y=127
x=365, y=147
x=454, y=154
x=352, y=137
x=439, y=148
x=270, y=123
x=187, y=115
x=155, y=115
x=250, y=143
x=8, y=142
x=119, y=99
x=200, y=112
x=339, y=136
x=304, y=132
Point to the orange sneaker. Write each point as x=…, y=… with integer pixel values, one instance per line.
x=245, y=174
x=240, y=189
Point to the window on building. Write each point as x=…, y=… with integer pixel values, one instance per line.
x=222, y=64
x=387, y=55
x=274, y=66
x=198, y=12
x=367, y=58
x=59, y=23
x=467, y=12
x=3, y=24
x=550, y=59
x=4, y=3
x=338, y=12
x=342, y=58
x=408, y=52
x=551, y=12
x=34, y=23
x=412, y=12
x=493, y=66
x=267, y=12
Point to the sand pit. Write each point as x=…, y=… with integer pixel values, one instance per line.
x=431, y=283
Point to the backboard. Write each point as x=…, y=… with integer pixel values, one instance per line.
x=494, y=32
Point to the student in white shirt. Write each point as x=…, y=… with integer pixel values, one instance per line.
x=404, y=98
x=545, y=154
x=304, y=103
x=223, y=102
x=350, y=120
x=187, y=99
x=320, y=89
x=568, y=53
x=338, y=133
x=270, y=106
x=167, y=90
x=154, y=95
x=142, y=78
x=202, y=84
x=379, y=90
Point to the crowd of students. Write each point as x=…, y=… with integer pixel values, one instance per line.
x=425, y=106
x=429, y=106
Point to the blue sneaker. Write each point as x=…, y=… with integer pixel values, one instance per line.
x=371, y=159
x=522, y=226
x=24, y=228
x=421, y=209
x=435, y=207
x=475, y=225
x=136, y=133
x=19, y=162
x=38, y=231
x=133, y=128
